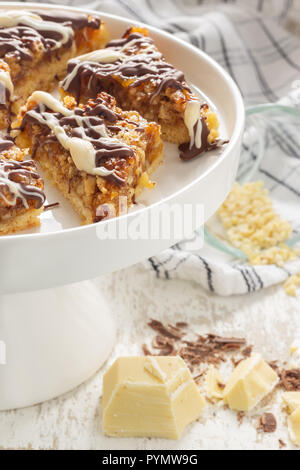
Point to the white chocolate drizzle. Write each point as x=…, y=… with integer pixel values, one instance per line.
x=18, y=190
x=125, y=59
x=108, y=55
x=10, y=19
x=81, y=148
x=5, y=80
x=95, y=57
x=193, y=122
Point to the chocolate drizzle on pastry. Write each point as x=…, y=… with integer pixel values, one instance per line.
x=132, y=61
x=6, y=143
x=188, y=152
x=17, y=183
x=86, y=132
x=75, y=20
x=134, y=57
x=23, y=32
x=20, y=32
x=148, y=64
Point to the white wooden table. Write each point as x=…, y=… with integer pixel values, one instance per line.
x=270, y=320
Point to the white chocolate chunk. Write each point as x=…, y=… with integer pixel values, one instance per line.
x=249, y=383
x=214, y=383
x=292, y=400
x=294, y=348
x=151, y=365
x=294, y=427
x=149, y=397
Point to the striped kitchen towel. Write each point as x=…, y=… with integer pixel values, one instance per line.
x=249, y=41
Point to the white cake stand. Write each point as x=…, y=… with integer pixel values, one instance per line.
x=55, y=327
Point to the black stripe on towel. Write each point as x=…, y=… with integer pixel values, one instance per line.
x=208, y=273
x=259, y=279
x=277, y=46
x=154, y=267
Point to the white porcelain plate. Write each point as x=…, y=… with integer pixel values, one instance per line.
x=62, y=251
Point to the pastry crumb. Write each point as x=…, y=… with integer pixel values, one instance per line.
x=291, y=284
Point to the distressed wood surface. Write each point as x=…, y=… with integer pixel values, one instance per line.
x=270, y=320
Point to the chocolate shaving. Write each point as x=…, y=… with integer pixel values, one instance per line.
x=198, y=376
x=290, y=379
x=240, y=417
x=267, y=423
x=169, y=331
x=228, y=341
x=209, y=400
x=146, y=350
x=235, y=361
x=165, y=345
x=275, y=366
x=181, y=324
x=247, y=351
x=281, y=443
x=208, y=349
x=51, y=206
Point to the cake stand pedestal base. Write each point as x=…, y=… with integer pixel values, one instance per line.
x=51, y=341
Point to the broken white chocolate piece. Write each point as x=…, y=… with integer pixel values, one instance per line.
x=293, y=349
x=249, y=383
x=294, y=427
x=152, y=366
x=214, y=384
x=292, y=400
x=149, y=397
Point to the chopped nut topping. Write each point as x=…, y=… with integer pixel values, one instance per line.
x=240, y=417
